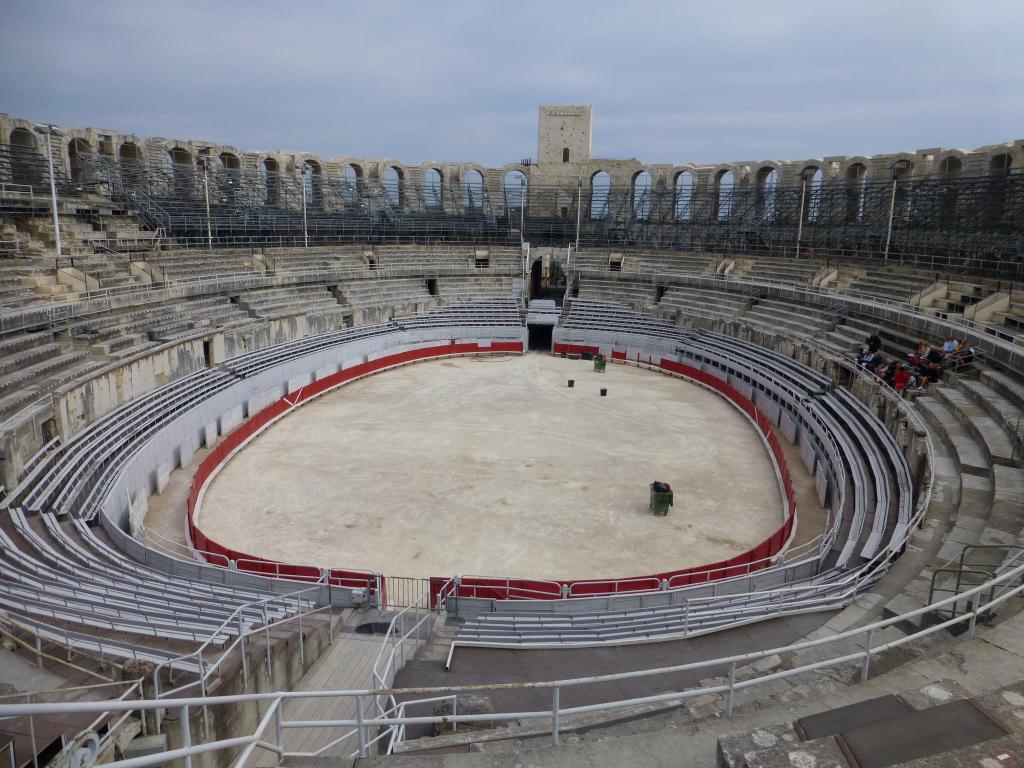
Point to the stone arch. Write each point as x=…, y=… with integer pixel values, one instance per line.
x=600, y=189
x=766, y=186
x=473, y=189
x=813, y=176
x=1000, y=163
x=270, y=180
x=641, y=188
x=312, y=181
x=23, y=138
x=352, y=180
x=433, y=187
x=856, y=176
x=683, y=186
x=393, y=182
x=129, y=152
x=725, y=185
x=514, y=185
x=26, y=167
x=77, y=149
x=229, y=161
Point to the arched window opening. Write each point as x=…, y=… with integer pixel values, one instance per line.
x=1000, y=164
x=433, y=188
x=813, y=177
x=856, y=176
x=724, y=184
x=642, y=196
x=600, y=189
x=178, y=162
x=393, y=186
x=684, y=196
x=767, y=192
x=23, y=138
x=229, y=161
x=565, y=154
x=269, y=180
x=514, y=185
x=26, y=165
x=77, y=150
x=951, y=166
x=473, y=190
x=351, y=182
x=311, y=189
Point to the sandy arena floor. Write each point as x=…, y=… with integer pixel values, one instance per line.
x=494, y=466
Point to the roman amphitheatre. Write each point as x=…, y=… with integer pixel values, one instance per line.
x=352, y=459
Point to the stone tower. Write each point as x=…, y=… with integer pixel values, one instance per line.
x=563, y=134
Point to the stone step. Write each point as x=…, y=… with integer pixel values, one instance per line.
x=968, y=452
x=994, y=439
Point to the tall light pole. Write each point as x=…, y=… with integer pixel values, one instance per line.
x=579, y=208
x=53, y=185
x=305, y=228
x=206, y=196
x=522, y=210
x=800, y=220
x=892, y=209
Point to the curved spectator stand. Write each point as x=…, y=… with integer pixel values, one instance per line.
x=486, y=587
x=217, y=553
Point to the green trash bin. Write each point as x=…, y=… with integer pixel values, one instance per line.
x=661, y=498
x=600, y=362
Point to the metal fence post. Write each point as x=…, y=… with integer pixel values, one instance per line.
x=302, y=644
x=32, y=734
x=279, y=727
x=186, y=736
x=973, y=606
x=732, y=687
x=866, y=665
x=360, y=727
x=555, y=696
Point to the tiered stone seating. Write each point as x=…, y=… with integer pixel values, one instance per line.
x=677, y=263
x=702, y=303
x=280, y=302
x=132, y=330
x=890, y=285
x=789, y=270
x=423, y=259
x=800, y=320
x=1010, y=323
x=639, y=295
x=33, y=364
x=387, y=292
x=316, y=258
x=461, y=288
x=196, y=264
x=19, y=278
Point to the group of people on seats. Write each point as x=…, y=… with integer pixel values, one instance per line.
x=922, y=367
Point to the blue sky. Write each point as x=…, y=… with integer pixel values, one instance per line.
x=669, y=81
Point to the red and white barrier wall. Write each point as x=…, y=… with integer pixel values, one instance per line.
x=754, y=559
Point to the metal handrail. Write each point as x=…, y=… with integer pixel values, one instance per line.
x=553, y=715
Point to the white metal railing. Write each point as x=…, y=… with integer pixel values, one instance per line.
x=294, y=608
x=87, y=738
x=23, y=414
x=268, y=734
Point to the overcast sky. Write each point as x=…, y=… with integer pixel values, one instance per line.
x=435, y=80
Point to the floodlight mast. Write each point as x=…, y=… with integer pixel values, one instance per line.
x=51, y=129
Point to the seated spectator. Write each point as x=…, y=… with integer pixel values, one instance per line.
x=874, y=342
x=935, y=356
x=950, y=345
x=900, y=379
